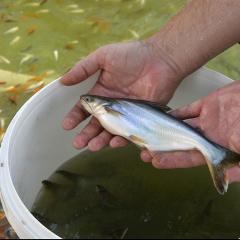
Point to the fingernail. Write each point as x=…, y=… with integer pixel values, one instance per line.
x=78, y=143
x=146, y=157
x=68, y=123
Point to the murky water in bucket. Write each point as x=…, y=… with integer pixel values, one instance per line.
x=113, y=194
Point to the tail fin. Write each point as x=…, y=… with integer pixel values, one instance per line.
x=218, y=171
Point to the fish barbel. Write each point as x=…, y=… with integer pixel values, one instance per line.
x=149, y=126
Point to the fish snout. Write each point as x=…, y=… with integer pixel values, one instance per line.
x=86, y=102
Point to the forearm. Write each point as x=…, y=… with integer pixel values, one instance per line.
x=199, y=32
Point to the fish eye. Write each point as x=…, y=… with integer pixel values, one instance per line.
x=87, y=99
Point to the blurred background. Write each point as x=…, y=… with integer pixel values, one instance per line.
x=41, y=40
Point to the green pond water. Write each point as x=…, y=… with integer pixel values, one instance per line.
x=112, y=192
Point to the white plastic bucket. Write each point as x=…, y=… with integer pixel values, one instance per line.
x=35, y=144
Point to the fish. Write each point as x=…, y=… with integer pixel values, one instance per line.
x=37, y=78
x=43, y=11
x=32, y=69
x=26, y=49
x=77, y=11
x=151, y=127
x=26, y=58
x=13, y=100
x=70, y=176
x=33, y=4
x=31, y=29
x=10, y=20
x=5, y=60
x=134, y=33
x=30, y=15
x=31, y=32
x=36, y=90
x=1, y=132
x=69, y=46
x=12, y=30
x=16, y=39
x=41, y=3
x=44, y=75
x=55, y=52
x=34, y=60
x=2, y=16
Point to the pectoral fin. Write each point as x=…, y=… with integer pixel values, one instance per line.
x=114, y=112
x=159, y=106
x=153, y=104
x=137, y=140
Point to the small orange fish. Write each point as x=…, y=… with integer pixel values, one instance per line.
x=12, y=100
x=36, y=90
x=44, y=75
x=105, y=26
x=10, y=20
x=2, y=227
x=34, y=79
x=11, y=90
x=35, y=15
x=32, y=69
x=30, y=15
x=3, y=82
x=44, y=1
x=1, y=42
x=2, y=17
x=25, y=87
x=31, y=28
x=2, y=236
x=69, y=46
x=1, y=132
x=31, y=32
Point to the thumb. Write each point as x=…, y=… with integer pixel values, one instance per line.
x=85, y=68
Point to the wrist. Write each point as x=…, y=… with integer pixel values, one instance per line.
x=198, y=33
x=164, y=57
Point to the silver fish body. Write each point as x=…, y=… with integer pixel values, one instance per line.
x=149, y=126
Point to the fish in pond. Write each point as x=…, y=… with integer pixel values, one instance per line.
x=149, y=126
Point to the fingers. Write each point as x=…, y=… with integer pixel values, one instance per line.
x=234, y=174
x=101, y=141
x=118, y=141
x=90, y=131
x=84, y=68
x=96, y=138
x=190, y=111
x=179, y=159
x=74, y=117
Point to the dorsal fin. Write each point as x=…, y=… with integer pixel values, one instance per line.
x=155, y=105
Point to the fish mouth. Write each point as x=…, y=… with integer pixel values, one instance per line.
x=84, y=102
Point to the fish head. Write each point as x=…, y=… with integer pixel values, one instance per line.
x=95, y=105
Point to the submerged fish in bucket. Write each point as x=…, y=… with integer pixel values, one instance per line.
x=149, y=126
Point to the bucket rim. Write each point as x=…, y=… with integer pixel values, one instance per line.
x=31, y=227
x=28, y=226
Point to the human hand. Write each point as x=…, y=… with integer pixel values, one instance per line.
x=128, y=70
x=218, y=117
